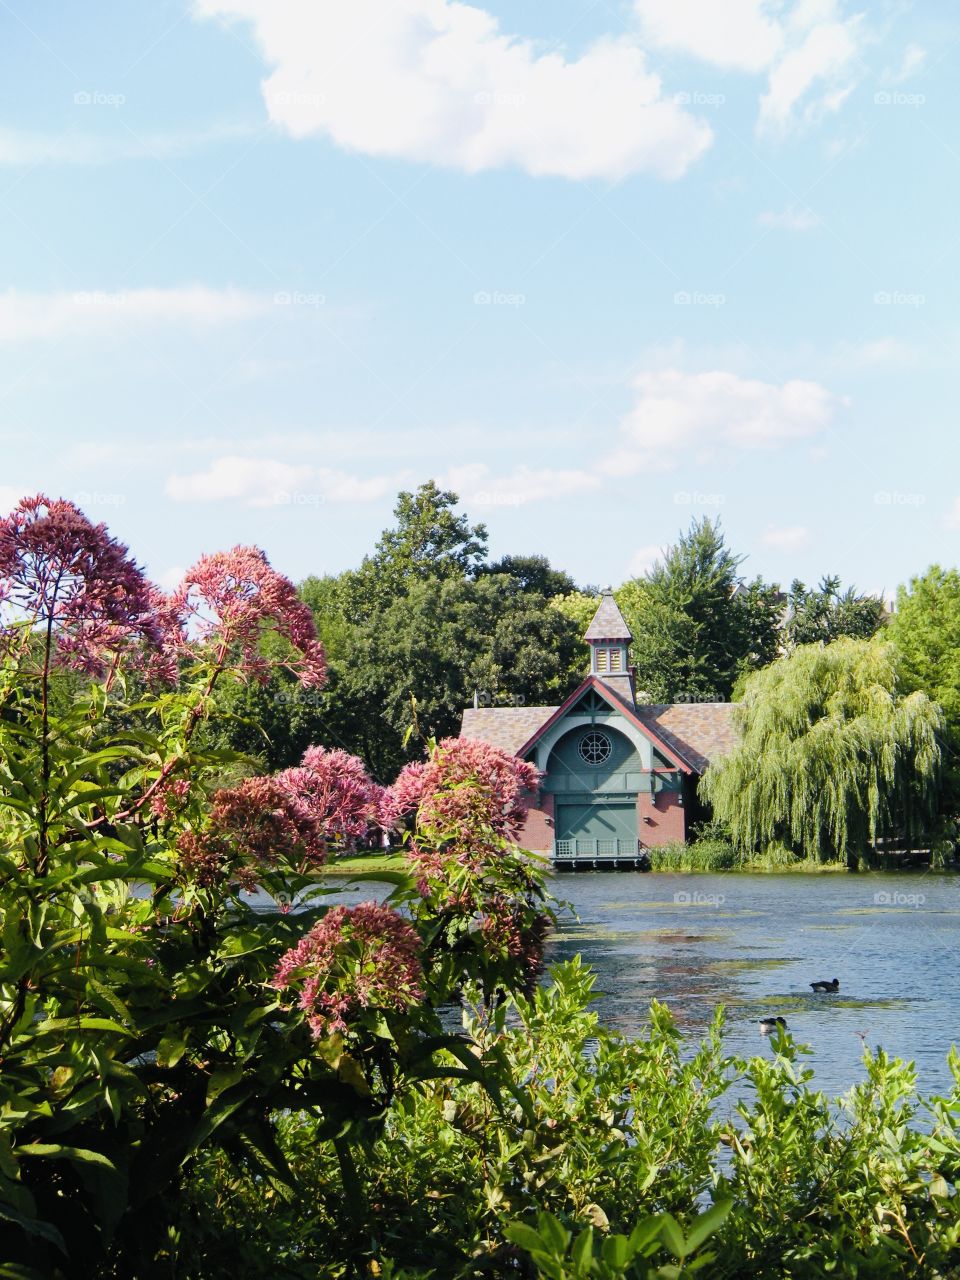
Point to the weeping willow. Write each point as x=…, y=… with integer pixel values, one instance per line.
x=831, y=755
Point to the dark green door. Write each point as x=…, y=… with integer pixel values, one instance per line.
x=599, y=828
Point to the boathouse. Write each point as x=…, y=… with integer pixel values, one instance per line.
x=618, y=776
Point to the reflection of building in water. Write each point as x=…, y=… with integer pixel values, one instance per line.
x=619, y=775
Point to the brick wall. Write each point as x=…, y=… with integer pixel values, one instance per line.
x=537, y=833
x=661, y=818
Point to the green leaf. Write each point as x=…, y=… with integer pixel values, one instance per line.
x=171, y=1049
x=706, y=1224
x=581, y=1255
x=223, y=1079
x=672, y=1236
x=76, y=1155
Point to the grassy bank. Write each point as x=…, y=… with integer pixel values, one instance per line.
x=350, y=864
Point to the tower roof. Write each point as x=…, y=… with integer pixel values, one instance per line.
x=608, y=623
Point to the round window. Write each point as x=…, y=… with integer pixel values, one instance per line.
x=595, y=747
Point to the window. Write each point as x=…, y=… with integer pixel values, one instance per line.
x=595, y=747
x=603, y=660
x=616, y=659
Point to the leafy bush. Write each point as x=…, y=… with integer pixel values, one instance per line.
x=150, y=1010
x=583, y=1137
x=707, y=854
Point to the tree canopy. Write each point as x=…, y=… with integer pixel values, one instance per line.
x=833, y=754
x=695, y=625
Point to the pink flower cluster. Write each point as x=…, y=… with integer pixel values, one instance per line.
x=252, y=828
x=58, y=569
x=355, y=958
x=225, y=604
x=468, y=789
x=335, y=788
x=170, y=799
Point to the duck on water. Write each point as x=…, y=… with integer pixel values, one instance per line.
x=832, y=985
x=769, y=1025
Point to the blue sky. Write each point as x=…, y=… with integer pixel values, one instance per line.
x=599, y=267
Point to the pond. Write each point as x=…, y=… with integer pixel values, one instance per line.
x=755, y=942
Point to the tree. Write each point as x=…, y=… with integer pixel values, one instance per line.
x=925, y=627
x=832, y=754
x=695, y=626
x=533, y=573
x=429, y=541
x=827, y=613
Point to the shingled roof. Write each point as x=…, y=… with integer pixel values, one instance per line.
x=505, y=727
x=697, y=731
x=608, y=623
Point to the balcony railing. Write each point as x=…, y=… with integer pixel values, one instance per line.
x=613, y=847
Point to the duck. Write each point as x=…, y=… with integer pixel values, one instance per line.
x=833, y=985
x=769, y=1025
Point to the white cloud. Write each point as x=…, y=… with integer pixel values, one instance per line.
x=436, y=81
x=478, y=486
x=791, y=219
x=679, y=415
x=792, y=538
x=21, y=148
x=816, y=75
x=952, y=520
x=737, y=35
x=808, y=49
x=914, y=58
x=267, y=482
x=643, y=560
x=25, y=316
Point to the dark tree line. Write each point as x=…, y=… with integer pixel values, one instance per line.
x=428, y=621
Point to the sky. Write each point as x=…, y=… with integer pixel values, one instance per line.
x=601, y=268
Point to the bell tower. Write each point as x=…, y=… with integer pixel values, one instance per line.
x=608, y=638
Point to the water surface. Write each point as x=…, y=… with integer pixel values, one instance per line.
x=755, y=942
